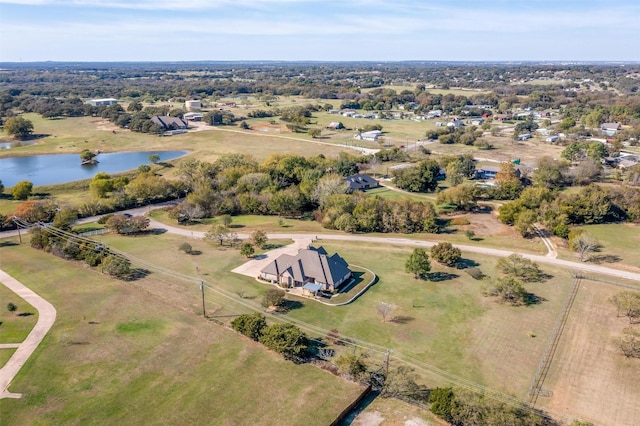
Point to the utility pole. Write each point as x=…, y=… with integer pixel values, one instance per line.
x=386, y=363
x=204, y=312
x=17, y=226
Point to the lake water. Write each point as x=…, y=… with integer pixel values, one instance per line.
x=61, y=168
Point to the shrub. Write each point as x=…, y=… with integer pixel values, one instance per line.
x=11, y=307
x=460, y=221
x=186, y=247
x=446, y=254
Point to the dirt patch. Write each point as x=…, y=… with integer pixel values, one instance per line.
x=589, y=378
x=372, y=418
x=487, y=224
x=106, y=125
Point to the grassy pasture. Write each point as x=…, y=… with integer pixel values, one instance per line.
x=5, y=355
x=620, y=242
x=15, y=328
x=589, y=378
x=121, y=354
x=448, y=323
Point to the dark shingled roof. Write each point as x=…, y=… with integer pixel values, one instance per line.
x=310, y=263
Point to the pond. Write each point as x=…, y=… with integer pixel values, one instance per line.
x=60, y=168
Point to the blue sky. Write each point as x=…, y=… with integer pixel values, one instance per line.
x=327, y=30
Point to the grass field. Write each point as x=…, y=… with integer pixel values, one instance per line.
x=589, y=378
x=620, y=244
x=5, y=355
x=448, y=323
x=14, y=328
x=121, y=354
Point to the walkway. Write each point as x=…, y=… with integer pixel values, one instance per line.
x=46, y=318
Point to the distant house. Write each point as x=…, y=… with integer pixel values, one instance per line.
x=455, y=123
x=361, y=182
x=100, y=102
x=192, y=116
x=335, y=125
x=610, y=129
x=169, y=123
x=369, y=136
x=552, y=139
x=312, y=268
x=434, y=113
x=524, y=136
x=193, y=105
x=490, y=172
x=476, y=121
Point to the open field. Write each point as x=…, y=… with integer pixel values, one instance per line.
x=14, y=328
x=448, y=323
x=589, y=378
x=393, y=412
x=120, y=354
x=620, y=243
x=5, y=355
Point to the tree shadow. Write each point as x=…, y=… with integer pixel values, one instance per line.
x=8, y=244
x=290, y=305
x=165, y=165
x=440, y=276
x=25, y=314
x=35, y=136
x=532, y=299
x=605, y=258
x=155, y=231
x=137, y=274
x=260, y=257
x=195, y=252
x=466, y=263
x=401, y=319
x=236, y=226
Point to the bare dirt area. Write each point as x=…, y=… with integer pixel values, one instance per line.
x=487, y=224
x=106, y=125
x=589, y=378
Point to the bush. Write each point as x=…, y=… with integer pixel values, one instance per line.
x=11, y=307
x=273, y=297
x=251, y=325
x=186, y=247
x=475, y=273
x=105, y=218
x=446, y=254
x=441, y=400
x=459, y=221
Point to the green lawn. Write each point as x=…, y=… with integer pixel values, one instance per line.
x=620, y=244
x=5, y=355
x=132, y=353
x=14, y=328
x=448, y=324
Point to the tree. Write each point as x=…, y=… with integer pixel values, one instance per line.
x=1, y=187
x=517, y=266
x=315, y=133
x=418, y=263
x=629, y=342
x=525, y=221
x=18, y=127
x=420, y=178
x=273, y=297
x=217, y=232
x=352, y=366
x=508, y=290
x=259, y=238
x=251, y=325
x=226, y=220
x=384, y=309
x=11, y=307
x=401, y=383
x=127, y=225
x=446, y=254
x=247, y=250
x=185, y=247
x=441, y=400
x=87, y=155
x=583, y=244
x=65, y=217
x=285, y=339
x=628, y=304
x=154, y=158
x=508, y=182
x=116, y=266
x=22, y=190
